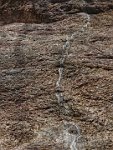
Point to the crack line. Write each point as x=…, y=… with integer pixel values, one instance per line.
x=59, y=94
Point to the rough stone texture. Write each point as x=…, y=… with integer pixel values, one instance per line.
x=46, y=11
x=30, y=116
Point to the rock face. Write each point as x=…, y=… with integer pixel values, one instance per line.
x=56, y=75
x=46, y=11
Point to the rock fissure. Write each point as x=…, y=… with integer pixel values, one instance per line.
x=59, y=94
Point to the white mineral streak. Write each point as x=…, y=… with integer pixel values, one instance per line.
x=65, y=53
x=72, y=132
x=71, y=135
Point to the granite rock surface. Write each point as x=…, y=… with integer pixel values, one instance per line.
x=56, y=75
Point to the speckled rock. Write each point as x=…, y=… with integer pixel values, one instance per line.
x=47, y=11
x=32, y=59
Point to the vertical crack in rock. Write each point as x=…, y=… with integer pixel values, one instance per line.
x=65, y=54
x=59, y=93
x=72, y=131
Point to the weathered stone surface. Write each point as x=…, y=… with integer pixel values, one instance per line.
x=46, y=11
x=31, y=118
